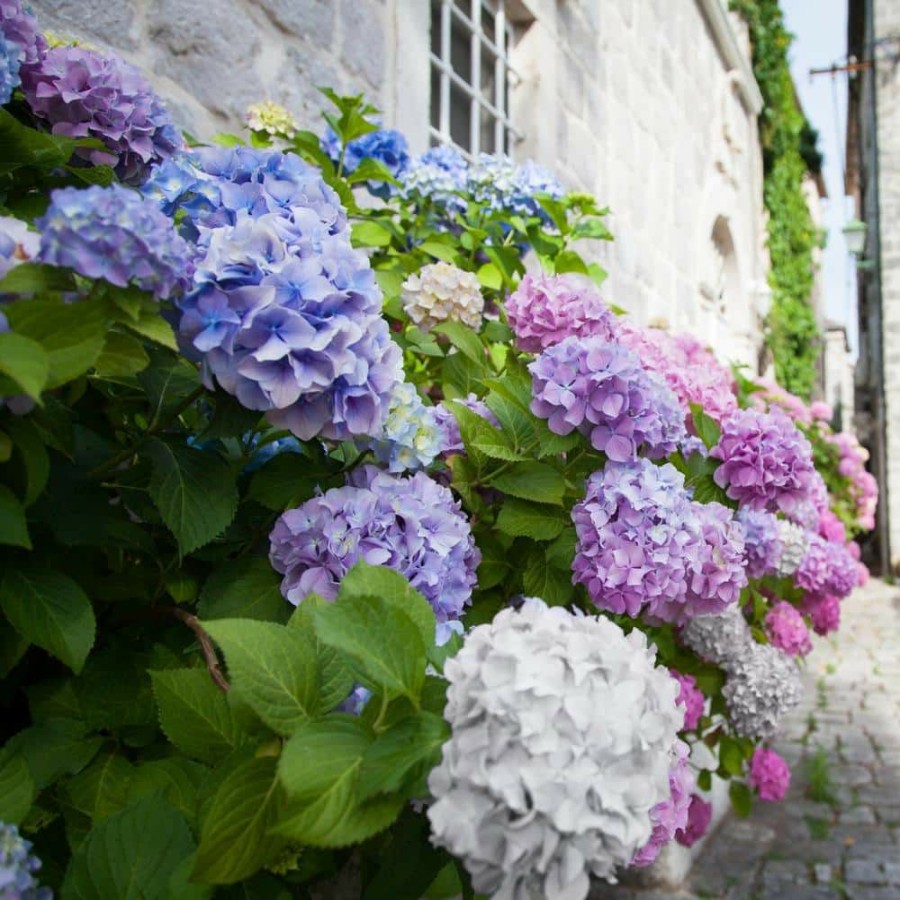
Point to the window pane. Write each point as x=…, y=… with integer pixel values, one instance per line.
x=436, y=27
x=461, y=49
x=435, y=97
x=488, y=71
x=488, y=22
x=488, y=125
x=460, y=122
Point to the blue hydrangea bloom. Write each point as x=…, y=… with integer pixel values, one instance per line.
x=17, y=868
x=410, y=524
x=440, y=175
x=9, y=69
x=385, y=145
x=762, y=541
x=285, y=314
x=21, y=44
x=115, y=234
x=497, y=182
x=411, y=437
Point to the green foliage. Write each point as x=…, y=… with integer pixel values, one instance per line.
x=789, y=153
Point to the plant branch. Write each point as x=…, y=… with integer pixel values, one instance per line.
x=209, y=652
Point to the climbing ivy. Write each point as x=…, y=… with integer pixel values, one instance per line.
x=785, y=134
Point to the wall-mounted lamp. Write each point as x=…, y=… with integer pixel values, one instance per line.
x=855, y=236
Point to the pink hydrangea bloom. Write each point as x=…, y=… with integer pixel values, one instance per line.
x=690, y=697
x=787, y=631
x=671, y=815
x=545, y=310
x=772, y=395
x=824, y=611
x=831, y=527
x=769, y=774
x=821, y=411
x=699, y=817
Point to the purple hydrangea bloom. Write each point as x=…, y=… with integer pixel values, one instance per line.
x=285, y=314
x=637, y=536
x=21, y=45
x=827, y=568
x=761, y=540
x=83, y=93
x=411, y=437
x=602, y=390
x=718, y=575
x=690, y=697
x=766, y=462
x=787, y=631
x=410, y=524
x=769, y=774
x=671, y=815
x=545, y=309
x=387, y=146
x=698, y=819
x=115, y=234
x=450, y=439
x=17, y=867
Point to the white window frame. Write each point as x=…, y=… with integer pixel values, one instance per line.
x=506, y=135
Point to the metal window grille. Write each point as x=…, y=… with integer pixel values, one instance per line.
x=471, y=76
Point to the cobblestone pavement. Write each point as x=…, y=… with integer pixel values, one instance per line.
x=837, y=834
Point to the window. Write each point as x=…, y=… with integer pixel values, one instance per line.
x=471, y=76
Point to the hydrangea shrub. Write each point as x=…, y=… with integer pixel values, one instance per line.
x=278, y=465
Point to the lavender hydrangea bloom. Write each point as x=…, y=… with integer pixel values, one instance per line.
x=412, y=525
x=551, y=771
x=827, y=568
x=83, y=93
x=21, y=45
x=544, y=310
x=17, y=868
x=761, y=540
x=718, y=575
x=115, y=234
x=411, y=437
x=387, y=146
x=672, y=814
x=766, y=462
x=285, y=315
x=637, y=534
x=602, y=390
x=787, y=631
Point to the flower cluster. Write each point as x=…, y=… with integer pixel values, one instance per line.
x=698, y=820
x=496, y=182
x=439, y=175
x=720, y=638
x=643, y=544
x=852, y=466
x=692, y=372
x=411, y=524
x=602, y=390
x=285, y=315
x=761, y=541
x=690, y=697
x=550, y=772
x=17, y=868
x=827, y=568
x=83, y=93
x=794, y=542
x=387, y=146
x=272, y=119
x=824, y=611
x=786, y=629
x=441, y=292
x=411, y=437
x=544, y=310
x=115, y=234
x=21, y=44
x=766, y=462
x=769, y=774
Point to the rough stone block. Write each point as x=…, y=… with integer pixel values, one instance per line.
x=364, y=39
x=112, y=23
x=312, y=20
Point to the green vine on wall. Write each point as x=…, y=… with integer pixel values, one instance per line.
x=793, y=335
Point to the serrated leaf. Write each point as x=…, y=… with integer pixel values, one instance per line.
x=464, y=339
x=36, y=278
x=319, y=769
x=33, y=455
x=13, y=525
x=364, y=580
x=17, y=789
x=153, y=327
x=102, y=788
x=121, y=355
x=25, y=362
x=195, y=715
x=532, y=481
x=51, y=610
x=439, y=250
x=741, y=798
x=72, y=335
x=245, y=588
x=522, y=519
x=56, y=748
x=271, y=668
x=489, y=277
x=730, y=757
x=406, y=750
x=383, y=640
x=195, y=492
x=131, y=855
x=235, y=840
x=287, y=480
x=370, y=233
x=707, y=428
x=178, y=778
x=542, y=579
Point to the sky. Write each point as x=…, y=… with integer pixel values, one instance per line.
x=820, y=30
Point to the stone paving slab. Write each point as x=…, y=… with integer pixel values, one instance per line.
x=837, y=833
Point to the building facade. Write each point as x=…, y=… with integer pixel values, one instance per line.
x=651, y=105
x=873, y=179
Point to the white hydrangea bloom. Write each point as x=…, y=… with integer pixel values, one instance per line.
x=563, y=735
x=761, y=689
x=273, y=119
x=442, y=292
x=795, y=543
x=721, y=639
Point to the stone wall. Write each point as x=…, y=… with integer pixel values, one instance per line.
x=649, y=104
